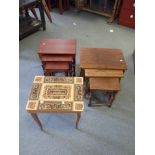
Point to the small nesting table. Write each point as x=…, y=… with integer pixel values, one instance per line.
x=52, y=94
x=58, y=53
x=102, y=69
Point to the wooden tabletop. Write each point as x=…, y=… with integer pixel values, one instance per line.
x=102, y=58
x=57, y=46
x=56, y=94
x=107, y=84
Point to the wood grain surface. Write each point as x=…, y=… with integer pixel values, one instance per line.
x=57, y=46
x=105, y=84
x=102, y=58
x=103, y=73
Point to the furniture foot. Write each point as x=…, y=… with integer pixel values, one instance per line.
x=35, y=117
x=78, y=119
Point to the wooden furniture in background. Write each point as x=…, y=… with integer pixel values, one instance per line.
x=107, y=8
x=47, y=10
x=27, y=24
x=56, y=95
x=60, y=4
x=127, y=14
x=60, y=54
x=102, y=69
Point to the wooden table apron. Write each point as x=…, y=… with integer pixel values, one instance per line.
x=51, y=94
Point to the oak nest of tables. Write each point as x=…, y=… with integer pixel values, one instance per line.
x=53, y=94
x=102, y=69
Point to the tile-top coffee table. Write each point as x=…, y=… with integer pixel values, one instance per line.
x=52, y=94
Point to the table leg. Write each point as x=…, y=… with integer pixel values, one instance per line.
x=111, y=99
x=78, y=119
x=90, y=98
x=86, y=79
x=35, y=117
x=74, y=66
x=82, y=72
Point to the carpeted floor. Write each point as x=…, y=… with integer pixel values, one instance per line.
x=102, y=130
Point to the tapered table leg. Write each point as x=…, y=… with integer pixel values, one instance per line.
x=78, y=119
x=35, y=117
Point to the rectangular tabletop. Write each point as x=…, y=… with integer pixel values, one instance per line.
x=103, y=73
x=102, y=58
x=57, y=46
x=56, y=94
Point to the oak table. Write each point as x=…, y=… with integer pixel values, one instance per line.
x=58, y=48
x=102, y=58
x=102, y=63
x=52, y=94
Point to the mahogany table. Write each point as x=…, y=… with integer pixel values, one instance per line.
x=52, y=94
x=59, y=48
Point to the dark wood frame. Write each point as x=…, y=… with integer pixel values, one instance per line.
x=111, y=16
x=25, y=5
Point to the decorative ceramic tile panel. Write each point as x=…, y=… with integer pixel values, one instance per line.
x=58, y=105
x=38, y=79
x=56, y=79
x=56, y=94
